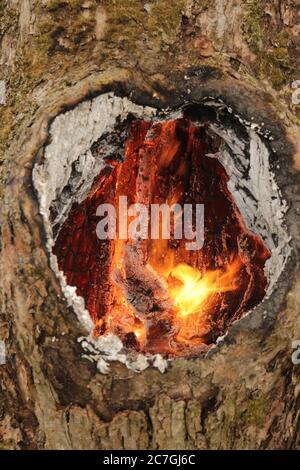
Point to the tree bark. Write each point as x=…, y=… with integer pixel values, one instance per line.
x=55, y=54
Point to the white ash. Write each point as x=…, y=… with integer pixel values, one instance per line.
x=68, y=161
x=257, y=195
x=109, y=348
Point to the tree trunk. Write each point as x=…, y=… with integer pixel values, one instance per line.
x=55, y=54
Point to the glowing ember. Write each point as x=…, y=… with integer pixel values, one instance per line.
x=154, y=294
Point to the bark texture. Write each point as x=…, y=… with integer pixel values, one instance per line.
x=53, y=54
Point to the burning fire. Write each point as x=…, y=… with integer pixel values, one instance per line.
x=154, y=294
x=196, y=289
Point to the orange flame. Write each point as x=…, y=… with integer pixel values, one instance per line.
x=196, y=288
